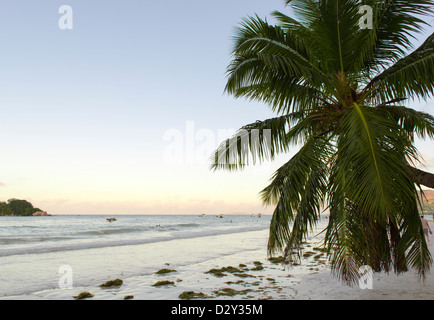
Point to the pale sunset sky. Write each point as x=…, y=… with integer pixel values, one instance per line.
x=89, y=115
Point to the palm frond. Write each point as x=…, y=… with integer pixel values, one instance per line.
x=371, y=192
x=395, y=23
x=412, y=121
x=410, y=77
x=268, y=59
x=372, y=150
x=298, y=189
x=255, y=142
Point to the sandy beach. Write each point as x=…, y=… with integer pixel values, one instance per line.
x=251, y=277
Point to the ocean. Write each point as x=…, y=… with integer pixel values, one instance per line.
x=35, y=251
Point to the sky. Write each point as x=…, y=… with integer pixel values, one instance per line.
x=119, y=114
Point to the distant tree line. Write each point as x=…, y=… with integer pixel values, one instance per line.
x=16, y=207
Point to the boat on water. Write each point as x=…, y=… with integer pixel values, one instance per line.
x=111, y=219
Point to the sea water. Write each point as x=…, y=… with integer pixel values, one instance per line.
x=35, y=250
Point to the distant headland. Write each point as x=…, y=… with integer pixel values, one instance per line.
x=20, y=208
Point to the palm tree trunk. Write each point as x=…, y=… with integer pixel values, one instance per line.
x=424, y=178
x=399, y=263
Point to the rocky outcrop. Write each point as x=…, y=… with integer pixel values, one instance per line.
x=41, y=214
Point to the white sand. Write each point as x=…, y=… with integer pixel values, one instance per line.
x=310, y=280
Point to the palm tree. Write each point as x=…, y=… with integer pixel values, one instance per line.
x=337, y=91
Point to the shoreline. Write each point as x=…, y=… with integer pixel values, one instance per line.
x=253, y=277
x=19, y=215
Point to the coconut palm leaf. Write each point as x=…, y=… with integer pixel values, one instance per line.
x=412, y=121
x=372, y=150
x=298, y=188
x=258, y=141
x=412, y=76
x=394, y=25
x=273, y=66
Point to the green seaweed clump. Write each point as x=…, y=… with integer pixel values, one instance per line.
x=164, y=271
x=83, y=295
x=217, y=272
x=220, y=272
x=308, y=254
x=231, y=292
x=279, y=259
x=163, y=283
x=112, y=283
x=244, y=275
x=318, y=256
x=257, y=268
x=237, y=282
x=187, y=295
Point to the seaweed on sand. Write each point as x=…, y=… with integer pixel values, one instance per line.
x=112, y=283
x=187, y=295
x=83, y=295
x=220, y=272
x=163, y=283
x=231, y=292
x=244, y=275
x=279, y=259
x=308, y=254
x=257, y=268
x=164, y=271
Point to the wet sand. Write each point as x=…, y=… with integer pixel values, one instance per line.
x=253, y=277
